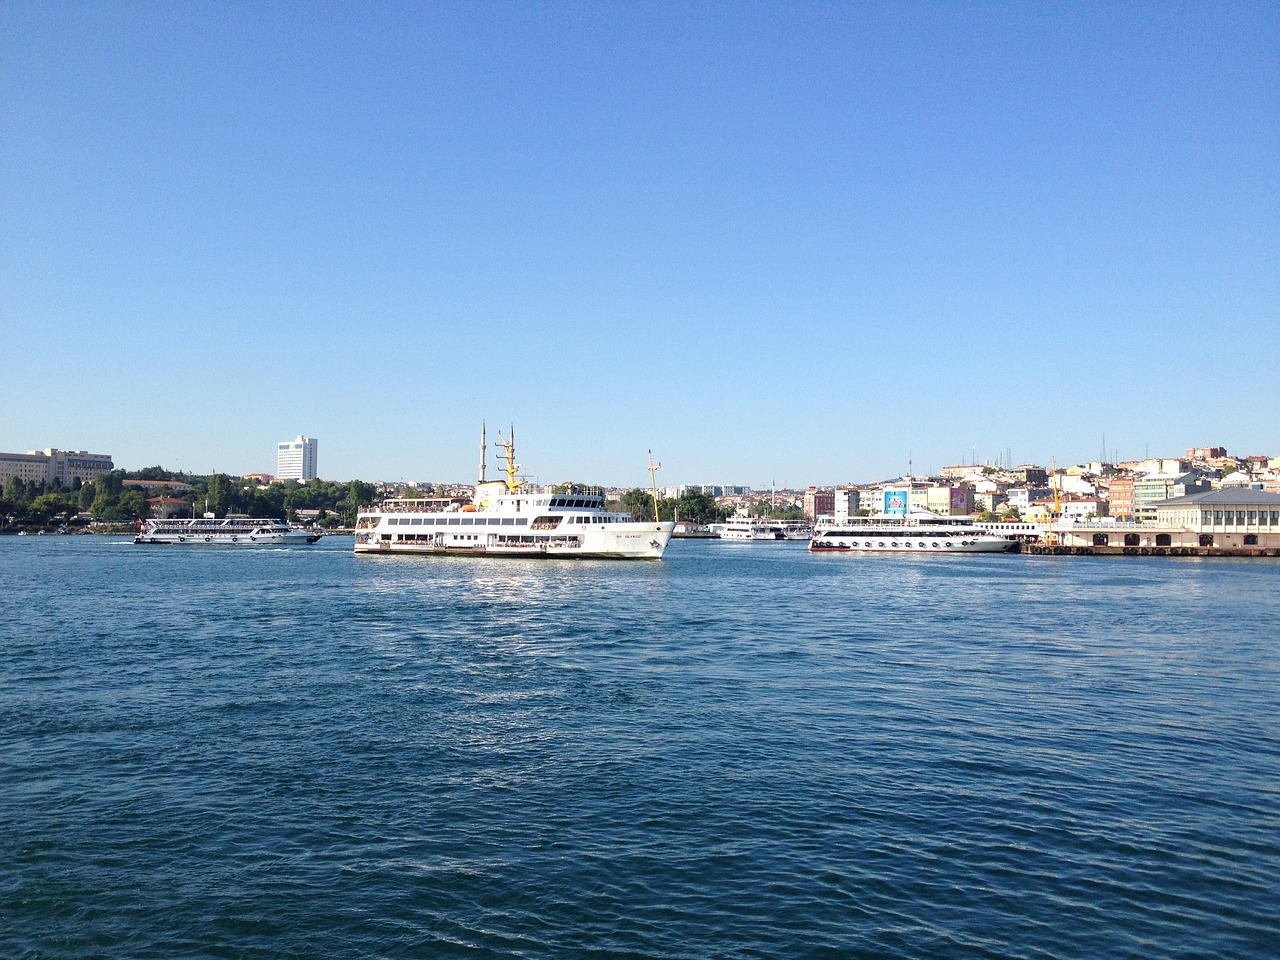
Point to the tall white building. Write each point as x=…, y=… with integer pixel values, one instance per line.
x=296, y=459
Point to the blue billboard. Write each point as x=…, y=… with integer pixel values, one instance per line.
x=895, y=503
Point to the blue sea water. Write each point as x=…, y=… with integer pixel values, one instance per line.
x=743, y=751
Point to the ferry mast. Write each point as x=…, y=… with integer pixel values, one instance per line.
x=508, y=448
x=653, y=480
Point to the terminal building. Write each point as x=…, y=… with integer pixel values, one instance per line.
x=1230, y=521
x=296, y=459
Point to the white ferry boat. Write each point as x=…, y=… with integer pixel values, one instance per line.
x=238, y=531
x=917, y=532
x=747, y=529
x=506, y=518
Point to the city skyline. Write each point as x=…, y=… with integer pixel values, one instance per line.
x=802, y=244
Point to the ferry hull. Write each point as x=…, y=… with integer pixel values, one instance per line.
x=975, y=545
x=237, y=540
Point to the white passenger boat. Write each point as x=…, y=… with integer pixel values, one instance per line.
x=237, y=531
x=917, y=532
x=507, y=518
x=747, y=529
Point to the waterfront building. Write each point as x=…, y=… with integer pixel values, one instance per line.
x=1232, y=521
x=296, y=458
x=846, y=501
x=1120, y=496
x=1154, y=488
x=1228, y=518
x=52, y=465
x=819, y=502
x=948, y=501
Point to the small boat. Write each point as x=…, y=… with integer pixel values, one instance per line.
x=228, y=531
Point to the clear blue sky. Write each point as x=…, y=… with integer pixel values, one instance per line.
x=792, y=242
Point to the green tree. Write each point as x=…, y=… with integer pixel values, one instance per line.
x=693, y=505
x=15, y=491
x=639, y=503
x=218, y=494
x=132, y=505
x=47, y=506
x=110, y=483
x=359, y=494
x=269, y=502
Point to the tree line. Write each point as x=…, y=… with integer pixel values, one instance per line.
x=36, y=503
x=108, y=499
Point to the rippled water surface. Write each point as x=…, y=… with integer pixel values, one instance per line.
x=742, y=751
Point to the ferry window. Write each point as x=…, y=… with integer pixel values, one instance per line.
x=1205, y=516
x=1217, y=516
x=467, y=521
x=1253, y=516
x=417, y=521
x=1275, y=517
x=1250, y=539
x=454, y=521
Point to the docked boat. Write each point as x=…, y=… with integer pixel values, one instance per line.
x=796, y=529
x=917, y=532
x=228, y=531
x=751, y=529
x=508, y=518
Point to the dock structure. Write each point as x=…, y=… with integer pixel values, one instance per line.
x=1219, y=523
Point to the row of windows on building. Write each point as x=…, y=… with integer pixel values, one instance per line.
x=1249, y=518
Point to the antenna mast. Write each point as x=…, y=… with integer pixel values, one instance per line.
x=653, y=481
x=483, y=446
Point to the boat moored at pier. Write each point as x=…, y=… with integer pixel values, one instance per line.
x=917, y=532
x=228, y=531
x=507, y=518
x=744, y=529
x=757, y=528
